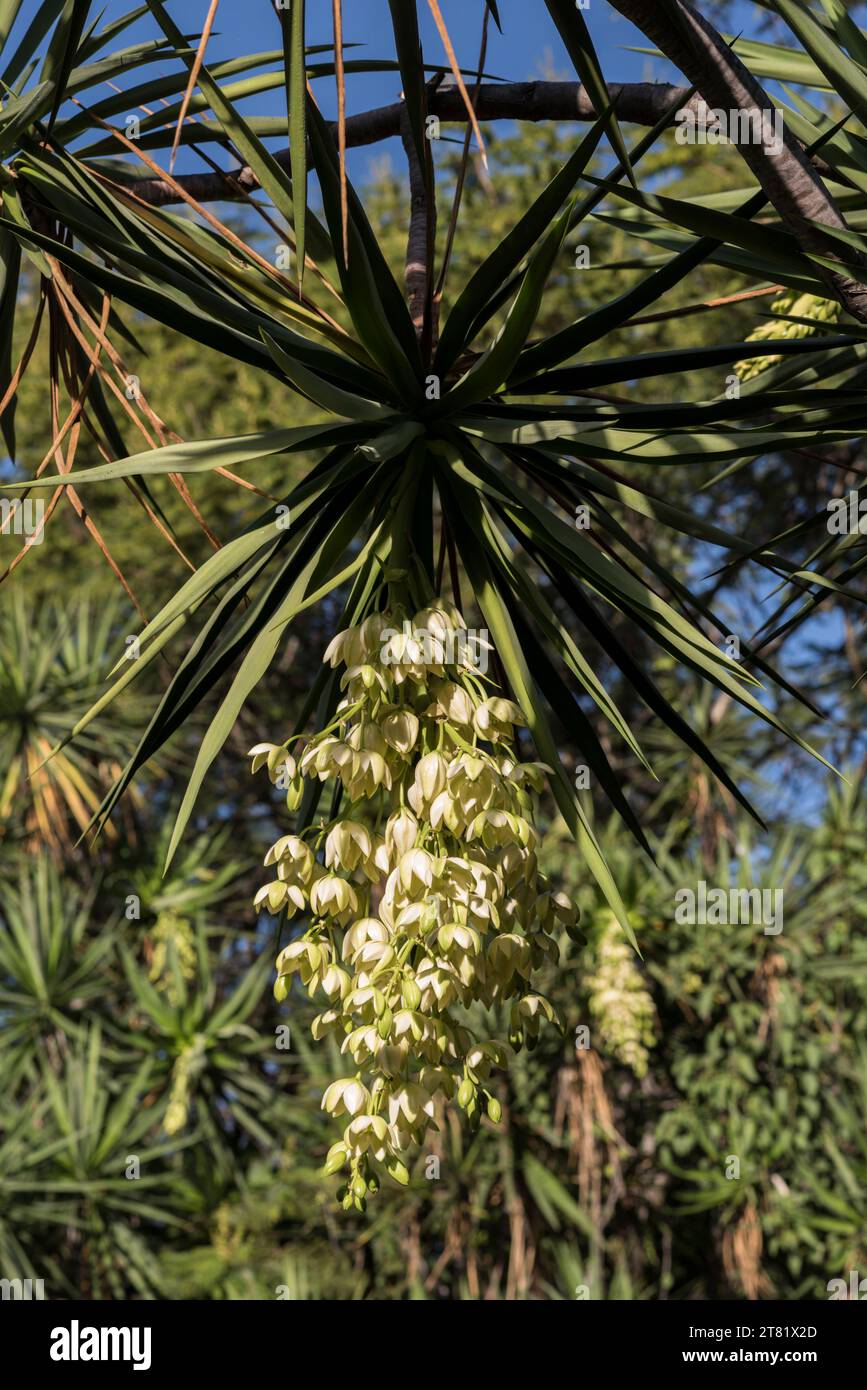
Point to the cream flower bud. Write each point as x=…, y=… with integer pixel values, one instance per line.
x=355, y=1097
x=378, y=953
x=409, y=1105
x=371, y=772
x=431, y=775
x=290, y=849
x=400, y=730
x=362, y=1043
x=279, y=761
x=367, y=735
x=367, y=1132
x=401, y=831
x=416, y=870
x=465, y=938
x=328, y=758
x=307, y=957
x=271, y=895
x=416, y=918
x=346, y=649
x=260, y=753
x=495, y=716
x=445, y=810
x=436, y=984
x=451, y=702
x=347, y=844
x=330, y=896
x=435, y=621
x=406, y=1023
x=370, y=634
x=367, y=929
x=335, y=982
x=326, y=1022
x=347, y=1095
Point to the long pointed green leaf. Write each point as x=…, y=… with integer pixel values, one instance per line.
x=572, y=28
x=292, y=27
x=491, y=274
x=465, y=513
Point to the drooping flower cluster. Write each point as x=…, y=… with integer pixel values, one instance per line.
x=793, y=304
x=424, y=890
x=189, y=1063
x=621, y=1006
x=173, y=950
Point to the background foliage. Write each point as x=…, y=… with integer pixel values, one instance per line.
x=140, y=1034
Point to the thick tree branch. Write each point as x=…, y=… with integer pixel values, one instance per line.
x=789, y=178
x=638, y=103
x=419, y=245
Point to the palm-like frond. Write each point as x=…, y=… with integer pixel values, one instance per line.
x=495, y=439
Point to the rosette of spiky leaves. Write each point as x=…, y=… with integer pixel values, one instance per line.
x=502, y=437
x=52, y=964
x=100, y=1125
x=52, y=660
x=202, y=1046
x=203, y=881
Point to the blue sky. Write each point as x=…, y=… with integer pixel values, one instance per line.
x=529, y=47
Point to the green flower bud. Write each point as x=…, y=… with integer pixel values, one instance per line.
x=411, y=993
x=466, y=1092
x=398, y=1171
x=335, y=1161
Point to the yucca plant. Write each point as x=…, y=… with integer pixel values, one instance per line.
x=464, y=466
x=204, y=1043
x=52, y=967
x=78, y=1162
x=52, y=659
